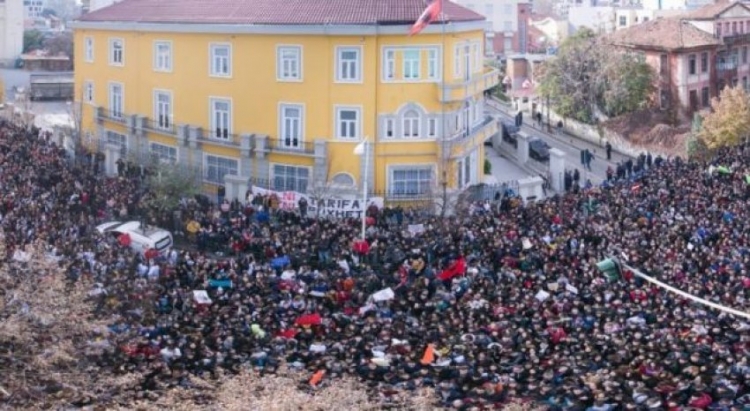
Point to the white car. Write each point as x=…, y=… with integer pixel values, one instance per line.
x=141, y=239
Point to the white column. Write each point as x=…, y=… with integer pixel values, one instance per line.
x=557, y=169
x=523, y=147
x=531, y=187
x=112, y=155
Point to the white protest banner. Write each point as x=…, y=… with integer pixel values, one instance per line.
x=571, y=289
x=335, y=206
x=415, y=229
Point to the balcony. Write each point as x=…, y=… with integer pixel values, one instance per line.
x=103, y=114
x=291, y=146
x=219, y=137
x=732, y=39
x=163, y=125
x=460, y=90
x=463, y=142
x=729, y=65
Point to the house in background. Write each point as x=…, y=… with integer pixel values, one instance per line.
x=287, y=90
x=683, y=57
x=730, y=23
x=502, y=17
x=11, y=30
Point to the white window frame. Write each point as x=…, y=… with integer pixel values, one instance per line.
x=433, y=64
x=212, y=60
x=212, y=101
x=414, y=124
x=389, y=64
x=120, y=112
x=206, y=167
x=272, y=173
x=286, y=123
x=476, y=48
x=357, y=126
x=112, y=52
x=458, y=61
x=389, y=125
x=392, y=170
x=162, y=61
x=339, y=62
x=158, y=150
x=121, y=140
x=168, y=124
x=296, y=75
x=411, y=69
x=88, y=92
x=432, y=127
x=88, y=49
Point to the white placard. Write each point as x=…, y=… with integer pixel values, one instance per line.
x=201, y=297
x=542, y=295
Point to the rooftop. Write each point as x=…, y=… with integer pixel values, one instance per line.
x=664, y=34
x=713, y=11
x=275, y=12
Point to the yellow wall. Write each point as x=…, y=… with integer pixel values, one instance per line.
x=256, y=94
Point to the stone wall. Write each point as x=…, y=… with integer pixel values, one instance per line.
x=600, y=137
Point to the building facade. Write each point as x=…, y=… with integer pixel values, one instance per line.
x=683, y=58
x=257, y=92
x=33, y=8
x=11, y=30
x=730, y=23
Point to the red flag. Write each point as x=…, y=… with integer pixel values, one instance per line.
x=430, y=14
x=456, y=269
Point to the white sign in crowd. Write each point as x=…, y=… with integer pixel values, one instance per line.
x=332, y=206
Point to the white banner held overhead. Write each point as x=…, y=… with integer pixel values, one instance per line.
x=336, y=206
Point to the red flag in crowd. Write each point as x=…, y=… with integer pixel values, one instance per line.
x=456, y=269
x=309, y=319
x=429, y=15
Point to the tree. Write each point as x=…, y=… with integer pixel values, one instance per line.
x=169, y=183
x=32, y=40
x=728, y=123
x=628, y=83
x=60, y=44
x=586, y=78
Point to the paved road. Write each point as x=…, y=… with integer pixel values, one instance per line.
x=568, y=144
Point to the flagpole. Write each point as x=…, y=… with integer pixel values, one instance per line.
x=442, y=109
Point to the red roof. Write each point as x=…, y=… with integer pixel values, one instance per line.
x=292, y=12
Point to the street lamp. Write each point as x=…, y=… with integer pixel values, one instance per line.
x=361, y=150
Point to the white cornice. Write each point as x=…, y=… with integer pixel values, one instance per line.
x=334, y=30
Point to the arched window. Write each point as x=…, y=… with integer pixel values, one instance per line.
x=343, y=180
x=411, y=124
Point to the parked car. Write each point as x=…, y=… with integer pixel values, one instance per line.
x=141, y=239
x=539, y=150
x=510, y=133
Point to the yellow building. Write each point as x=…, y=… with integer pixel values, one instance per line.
x=279, y=93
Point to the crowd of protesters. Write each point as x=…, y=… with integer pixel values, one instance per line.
x=500, y=303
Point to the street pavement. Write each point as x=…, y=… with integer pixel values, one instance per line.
x=570, y=145
x=503, y=169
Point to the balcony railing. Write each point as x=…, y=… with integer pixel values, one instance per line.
x=459, y=90
x=161, y=125
x=734, y=38
x=292, y=145
x=726, y=65
x=112, y=115
x=220, y=137
x=467, y=134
